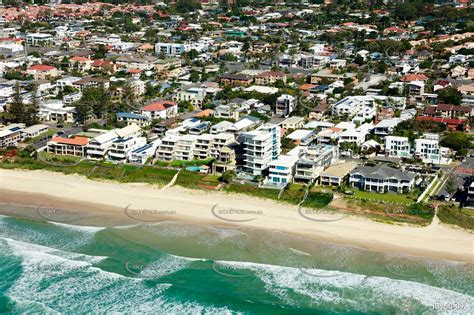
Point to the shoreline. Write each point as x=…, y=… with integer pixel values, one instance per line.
x=61, y=197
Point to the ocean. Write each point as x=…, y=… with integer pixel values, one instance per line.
x=177, y=268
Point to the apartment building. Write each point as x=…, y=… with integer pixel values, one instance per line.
x=428, y=150
x=281, y=171
x=99, y=146
x=202, y=148
x=313, y=160
x=184, y=149
x=165, y=150
x=285, y=104
x=365, y=104
x=397, y=147
x=382, y=179
x=68, y=146
x=261, y=146
x=122, y=147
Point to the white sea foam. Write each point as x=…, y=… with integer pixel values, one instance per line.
x=66, y=285
x=357, y=291
x=79, y=228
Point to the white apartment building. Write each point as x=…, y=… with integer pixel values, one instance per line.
x=202, y=148
x=165, y=150
x=397, y=147
x=143, y=153
x=313, y=160
x=99, y=146
x=261, y=146
x=121, y=148
x=352, y=105
x=281, y=170
x=184, y=149
x=429, y=151
x=219, y=141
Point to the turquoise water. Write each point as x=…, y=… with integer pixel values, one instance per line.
x=193, y=168
x=175, y=268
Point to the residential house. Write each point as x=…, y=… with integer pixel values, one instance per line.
x=397, y=147
x=382, y=179
x=428, y=150
x=162, y=109
x=10, y=135
x=131, y=118
x=43, y=72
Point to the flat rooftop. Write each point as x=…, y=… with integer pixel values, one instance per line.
x=340, y=170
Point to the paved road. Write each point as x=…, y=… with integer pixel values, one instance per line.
x=67, y=132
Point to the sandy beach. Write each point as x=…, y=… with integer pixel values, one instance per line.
x=74, y=199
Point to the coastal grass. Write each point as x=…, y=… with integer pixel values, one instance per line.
x=292, y=194
x=406, y=199
x=183, y=164
x=452, y=214
x=414, y=213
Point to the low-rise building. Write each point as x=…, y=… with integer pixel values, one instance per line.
x=10, y=135
x=397, y=147
x=428, y=150
x=382, y=179
x=281, y=171
x=76, y=146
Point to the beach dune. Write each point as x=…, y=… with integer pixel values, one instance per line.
x=75, y=199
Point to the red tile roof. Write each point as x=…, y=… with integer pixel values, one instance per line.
x=414, y=77
x=449, y=121
x=74, y=141
x=41, y=68
x=158, y=106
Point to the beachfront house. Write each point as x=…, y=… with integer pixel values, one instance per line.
x=382, y=179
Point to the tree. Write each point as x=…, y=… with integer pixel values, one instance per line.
x=457, y=141
x=194, y=76
x=32, y=109
x=450, y=95
x=17, y=107
x=451, y=185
